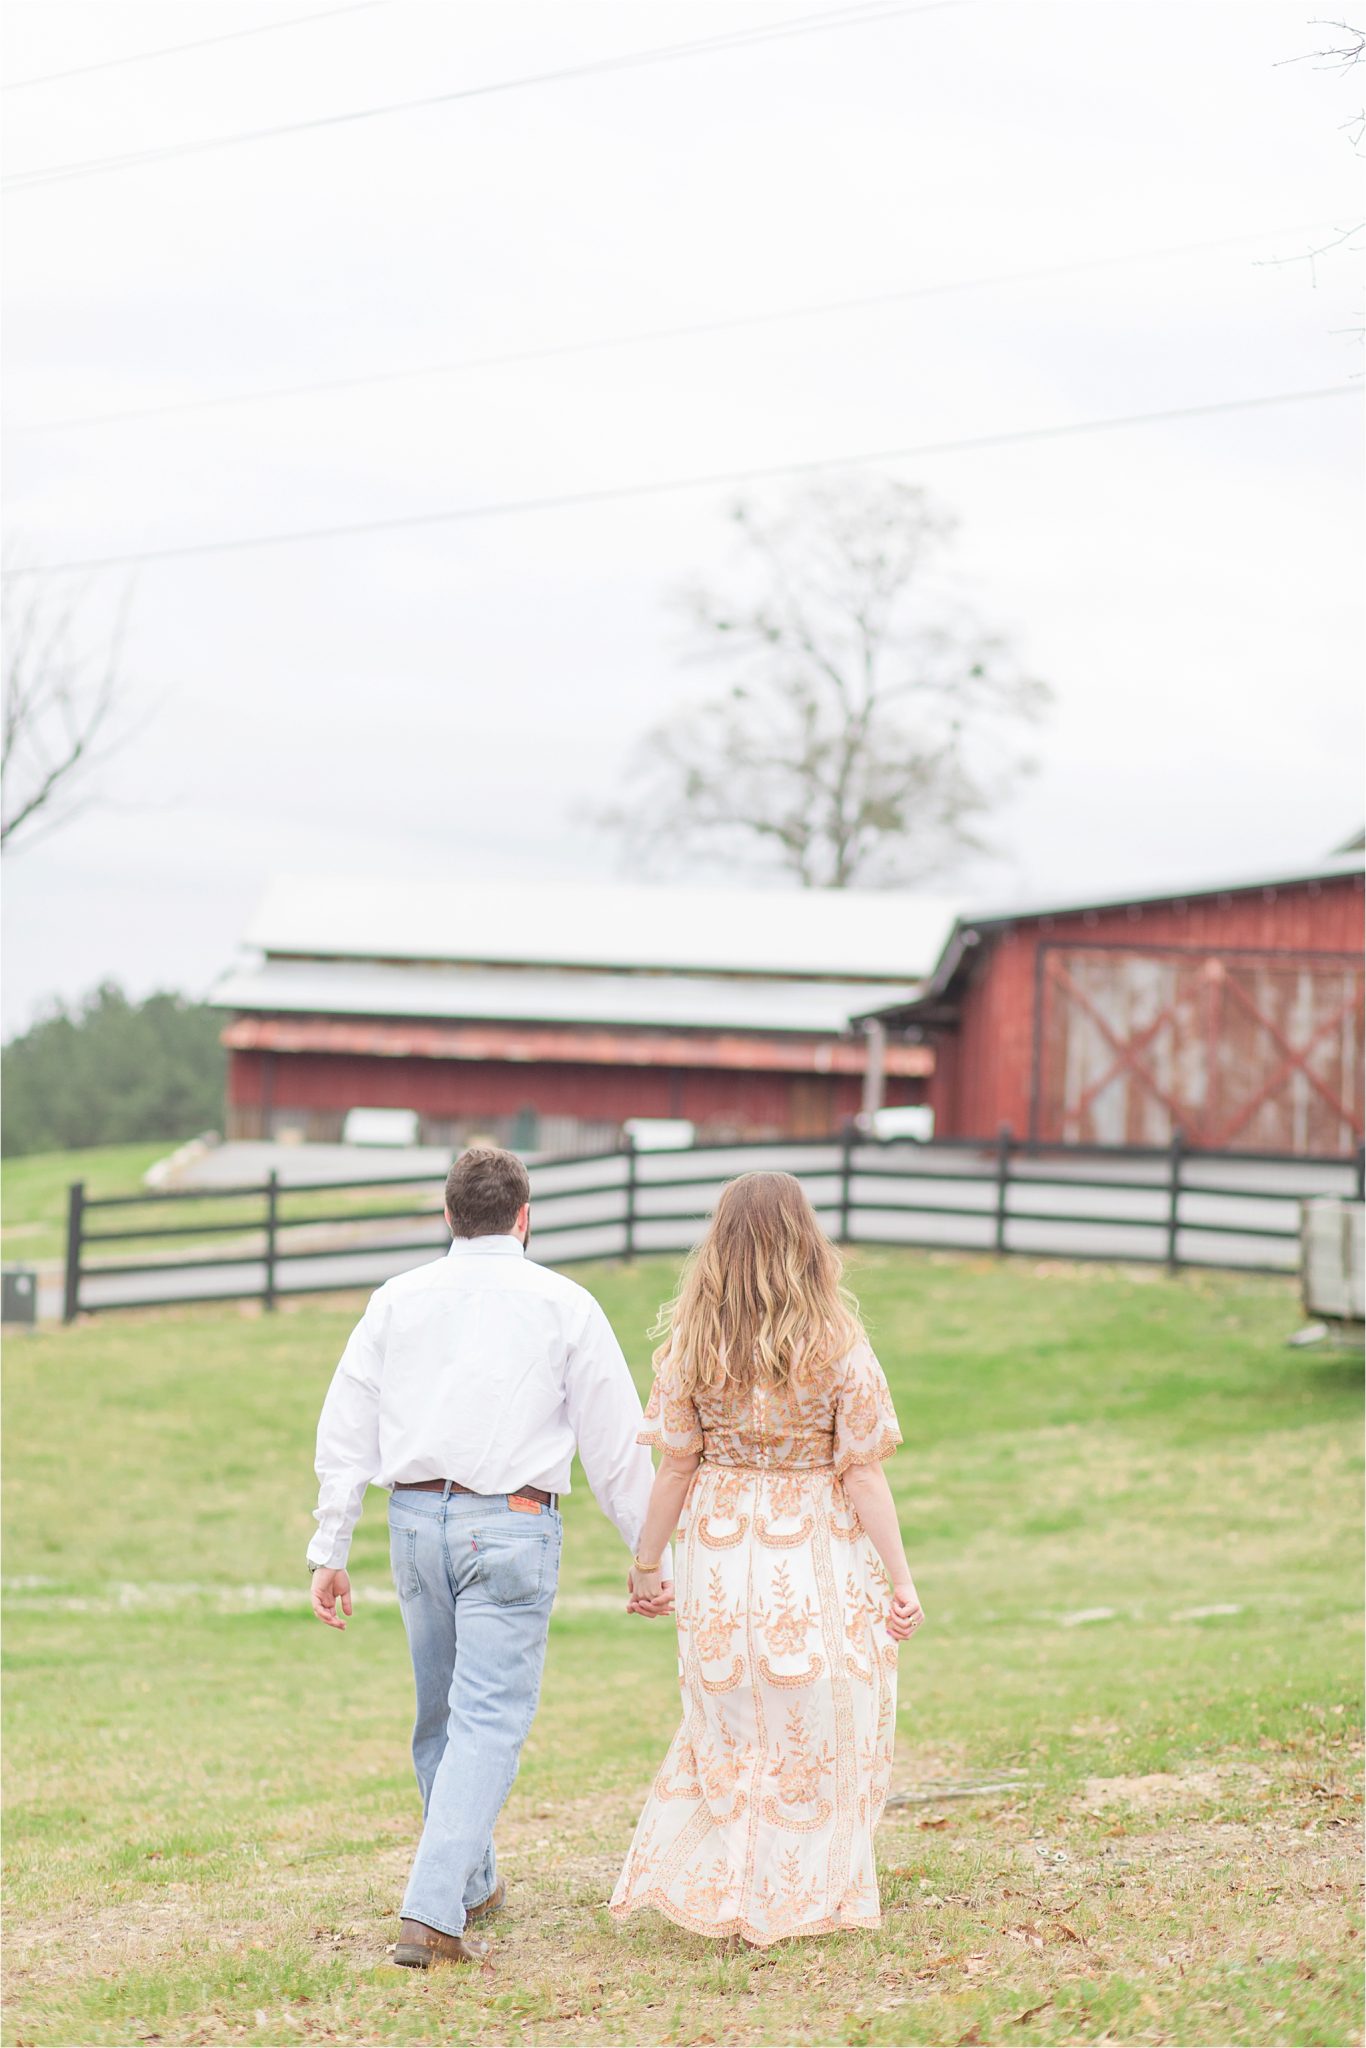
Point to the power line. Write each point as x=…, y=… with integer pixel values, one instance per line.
x=726, y=324
x=231, y=35
x=846, y=17
x=713, y=480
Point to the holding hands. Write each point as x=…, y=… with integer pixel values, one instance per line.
x=649, y=1593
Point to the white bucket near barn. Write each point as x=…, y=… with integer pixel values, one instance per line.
x=1333, y=1259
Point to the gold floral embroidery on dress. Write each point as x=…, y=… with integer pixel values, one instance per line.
x=842, y=1418
x=670, y=1420
x=785, y=1903
x=727, y=1490
x=788, y=1491
x=706, y=1534
x=768, y=1428
x=713, y=1632
x=788, y=1679
x=786, y=1625
x=861, y=1609
x=860, y=1413
x=737, y=1672
x=866, y=1429
x=783, y=1539
x=706, y=1894
x=684, y=1765
x=800, y=1771
x=644, y=1854
x=720, y=1766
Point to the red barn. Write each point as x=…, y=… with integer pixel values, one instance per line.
x=1230, y=1012
x=546, y=1016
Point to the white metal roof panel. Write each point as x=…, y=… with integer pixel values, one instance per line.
x=841, y=933
x=690, y=1002
x=1157, y=891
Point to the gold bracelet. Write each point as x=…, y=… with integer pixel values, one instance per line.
x=642, y=1567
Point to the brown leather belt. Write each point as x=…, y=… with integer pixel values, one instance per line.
x=536, y=1493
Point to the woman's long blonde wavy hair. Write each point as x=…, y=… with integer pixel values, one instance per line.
x=761, y=1296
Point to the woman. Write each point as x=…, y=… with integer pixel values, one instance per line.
x=772, y=1416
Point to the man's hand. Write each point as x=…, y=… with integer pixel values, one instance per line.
x=648, y=1593
x=331, y=1588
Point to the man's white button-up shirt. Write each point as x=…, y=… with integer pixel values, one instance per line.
x=487, y=1368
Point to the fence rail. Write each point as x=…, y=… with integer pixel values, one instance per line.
x=1166, y=1206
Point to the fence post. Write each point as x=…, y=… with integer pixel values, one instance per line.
x=75, y=1210
x=272, y=1192
x=1178, y=1146
x=1004, y=1140
x=629, y=1247
x=1361, y=1170
x=847, y=1136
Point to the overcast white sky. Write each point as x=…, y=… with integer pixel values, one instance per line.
x=454, y=697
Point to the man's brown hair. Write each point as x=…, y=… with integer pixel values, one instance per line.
x=484, y=1190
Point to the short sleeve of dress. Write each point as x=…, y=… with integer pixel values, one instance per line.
x=866, y=1429
x=671, y=1420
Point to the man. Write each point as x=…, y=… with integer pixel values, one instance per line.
x=464, y=1389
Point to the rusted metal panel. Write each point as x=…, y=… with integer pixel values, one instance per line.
x=1239, y=1051
x=539, y=1045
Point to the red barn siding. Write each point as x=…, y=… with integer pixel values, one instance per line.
x=985, y=1067
x=317, y=1089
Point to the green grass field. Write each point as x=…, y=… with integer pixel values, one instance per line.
x=36, y=1193
x=1134, y=1519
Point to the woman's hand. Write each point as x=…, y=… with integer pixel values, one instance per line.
x=649, y=1593
x=906, y=1612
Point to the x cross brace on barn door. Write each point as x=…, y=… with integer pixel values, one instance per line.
x=1295, y=1058
x=1128, y=1054
x=1128, y=1050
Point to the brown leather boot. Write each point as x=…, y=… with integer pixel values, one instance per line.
x=489, y=1906
x=420, y=1946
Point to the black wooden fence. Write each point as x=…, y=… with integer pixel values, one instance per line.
x=282, y=1238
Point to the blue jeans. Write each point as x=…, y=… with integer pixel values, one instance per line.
x=476, y=1582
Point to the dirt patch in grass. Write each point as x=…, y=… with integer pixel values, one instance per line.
x=1165, y=1788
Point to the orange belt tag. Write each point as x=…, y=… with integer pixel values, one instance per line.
x=524, y=1507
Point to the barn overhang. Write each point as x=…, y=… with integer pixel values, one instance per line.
x=559, y=1045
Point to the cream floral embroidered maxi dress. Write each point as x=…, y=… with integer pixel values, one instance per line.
x=760, y=1821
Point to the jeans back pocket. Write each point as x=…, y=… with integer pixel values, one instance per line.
x=513, y=1565
x=403, y=1562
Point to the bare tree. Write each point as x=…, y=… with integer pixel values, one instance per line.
x=1342, y=57
x=854, y=743
x=58, y=716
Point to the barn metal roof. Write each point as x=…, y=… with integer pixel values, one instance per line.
x=835, y=934
x=1330, y=869
x=967, y=930
x=677, y=1001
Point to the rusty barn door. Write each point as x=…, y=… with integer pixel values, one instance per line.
x=1257, y=1052
x=812, y=1111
